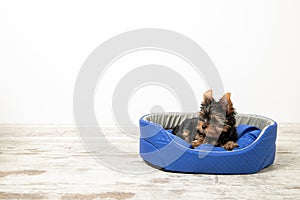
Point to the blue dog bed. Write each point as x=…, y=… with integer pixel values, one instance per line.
x=163, y=150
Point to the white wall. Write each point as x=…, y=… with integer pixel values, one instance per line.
x=254, y=44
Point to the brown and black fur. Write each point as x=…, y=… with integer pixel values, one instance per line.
x=215, y=124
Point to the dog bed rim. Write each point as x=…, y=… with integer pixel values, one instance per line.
x=218, y=152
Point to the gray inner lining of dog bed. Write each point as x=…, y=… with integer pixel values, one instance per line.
x=170, y=120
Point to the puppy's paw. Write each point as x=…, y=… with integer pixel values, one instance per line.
x=198, y=140
x=230, y=145
x=196, y=143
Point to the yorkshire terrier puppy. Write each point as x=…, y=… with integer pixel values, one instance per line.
x=215, y=124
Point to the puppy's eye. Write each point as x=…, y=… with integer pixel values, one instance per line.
x=207, y=119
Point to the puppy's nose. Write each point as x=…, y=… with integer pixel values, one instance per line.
x=204, y=126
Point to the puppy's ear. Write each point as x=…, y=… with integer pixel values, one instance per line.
x=226, y=103
x=207, y=96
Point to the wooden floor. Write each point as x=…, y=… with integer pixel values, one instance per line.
x=50, y=162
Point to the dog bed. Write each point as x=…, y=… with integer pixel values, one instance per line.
x=163, y=150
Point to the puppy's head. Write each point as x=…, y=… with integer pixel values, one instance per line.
x=213, y=116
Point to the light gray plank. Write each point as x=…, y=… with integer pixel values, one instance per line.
x=50, y=162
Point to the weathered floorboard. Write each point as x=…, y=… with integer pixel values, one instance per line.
x=50, y=162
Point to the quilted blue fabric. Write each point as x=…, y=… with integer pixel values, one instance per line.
x=161, y=149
